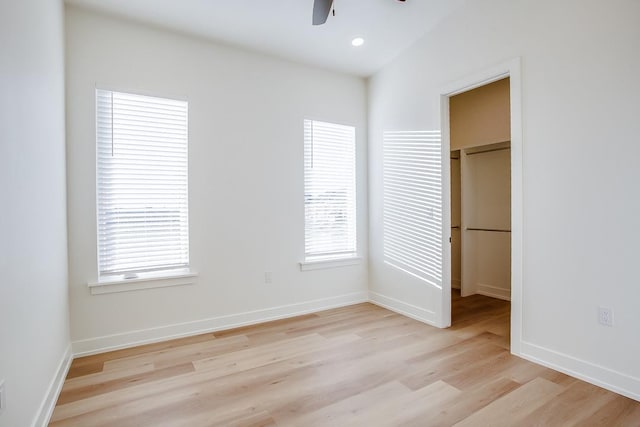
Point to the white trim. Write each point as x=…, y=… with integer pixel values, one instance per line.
x=329, y=120
x=154, y=93
x=609, y=379
x=481, y=78
x=511, y=69
x=179, y=330
x=145, y=282
x=444, y=317
x=329, y=263
x=517, y=203
x=401, y=307
x=493, y=291
x=55, y=387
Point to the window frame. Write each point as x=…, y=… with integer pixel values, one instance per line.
x=320, y=260
x=143, y=278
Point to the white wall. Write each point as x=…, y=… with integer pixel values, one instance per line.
x=34, y=327
x=580, y=68
x=246, y=114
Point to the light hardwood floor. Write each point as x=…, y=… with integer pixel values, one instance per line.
x=354, y=366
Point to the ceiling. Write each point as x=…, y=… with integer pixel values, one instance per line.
x=283, y=27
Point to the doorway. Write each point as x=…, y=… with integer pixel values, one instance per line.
x=480, y=172
x=496, y=149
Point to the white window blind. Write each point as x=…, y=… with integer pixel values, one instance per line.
x=329, y=190
x=141, y=183
x=412, y=203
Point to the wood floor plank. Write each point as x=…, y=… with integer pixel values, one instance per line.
x=394, y=410
x=517, y=405
x=462, y=405
x=102, y=387
x=479, y=371
x=268, y=353
x=308, y=387
x=118, y=354
x=198, y=380
x=359, y=365
x=619, y=411
x=433, y=369
x=102, y=376
x=81, y=369
x=576, y=403
x=343, y=411
x=248, y=417
x=187, y=353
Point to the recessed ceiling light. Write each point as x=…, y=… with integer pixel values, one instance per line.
x=358, y=41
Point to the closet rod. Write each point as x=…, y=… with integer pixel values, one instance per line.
x=488, y=229
x=488, y=151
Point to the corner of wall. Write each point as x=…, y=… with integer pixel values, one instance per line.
x=168, y=332
x=406, y=309
x=53, y=391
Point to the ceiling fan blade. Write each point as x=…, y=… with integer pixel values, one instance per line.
x=321, y=9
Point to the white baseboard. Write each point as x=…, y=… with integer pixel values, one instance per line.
x=493, y=291
x=48, y=404
x=168, y=332
x=587, y=371
x=401, y=307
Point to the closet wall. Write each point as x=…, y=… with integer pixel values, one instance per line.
x=481, y=191
x=481, y=116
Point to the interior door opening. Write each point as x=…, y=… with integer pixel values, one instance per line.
x=480, y=195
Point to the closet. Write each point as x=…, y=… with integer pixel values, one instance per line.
x=481, y=191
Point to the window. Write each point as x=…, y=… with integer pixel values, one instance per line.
x=412, y=211
x=329, y=191
x=141, y=184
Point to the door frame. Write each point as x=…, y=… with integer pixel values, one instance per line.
x=511, y=69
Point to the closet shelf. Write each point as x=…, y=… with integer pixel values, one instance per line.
x=489, y=148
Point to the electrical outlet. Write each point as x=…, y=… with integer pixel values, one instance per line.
x=3, y=398
x=268, y=277
x=605, y=316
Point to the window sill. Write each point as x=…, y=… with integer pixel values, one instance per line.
x=144, y=281
x=329, y=263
